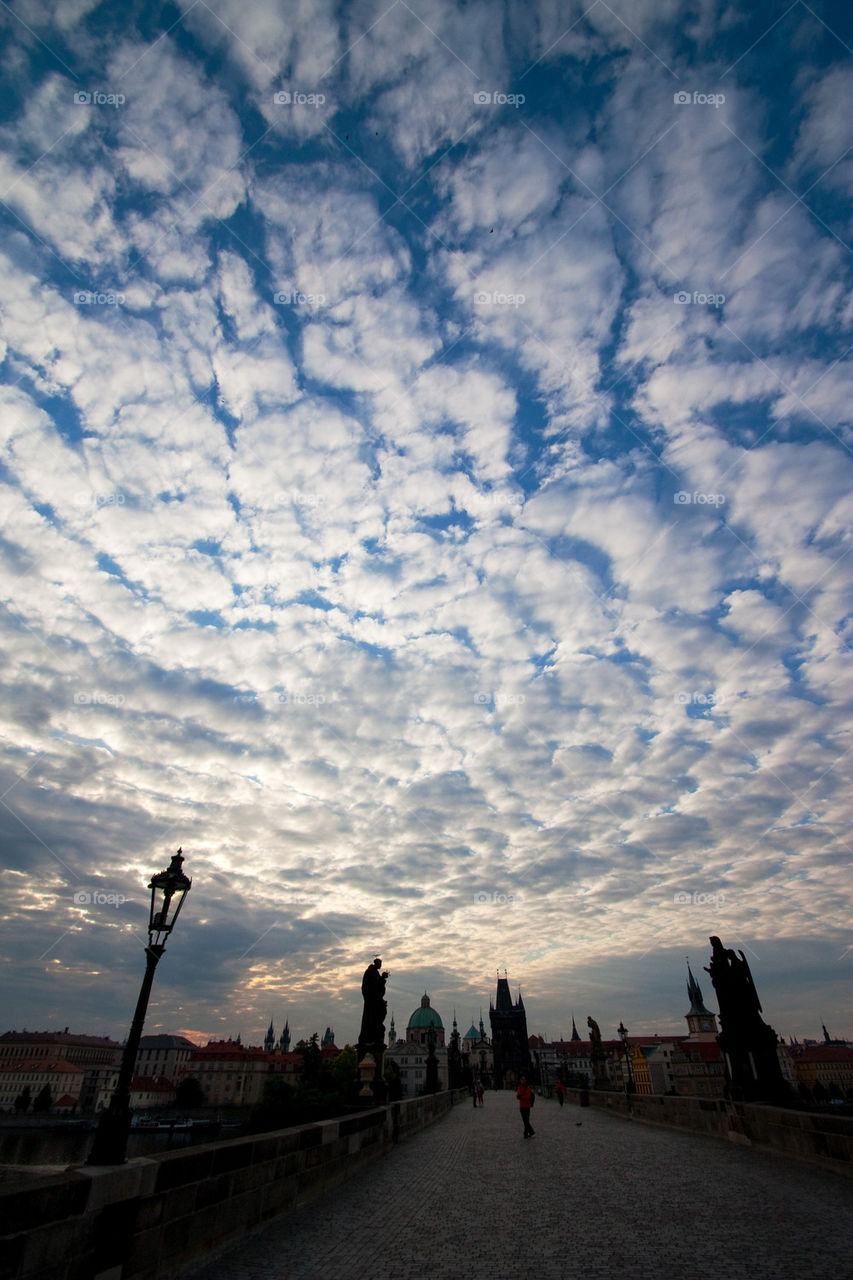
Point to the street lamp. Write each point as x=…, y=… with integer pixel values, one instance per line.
x=168, y=890
x=622, y=1032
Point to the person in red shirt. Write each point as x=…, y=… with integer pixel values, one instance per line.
x=560, y=1090
x=524, y=1093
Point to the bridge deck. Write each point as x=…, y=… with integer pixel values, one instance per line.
x=603, y=1199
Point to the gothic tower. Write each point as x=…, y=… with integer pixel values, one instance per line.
x=509, y=1038
x=702, y=1023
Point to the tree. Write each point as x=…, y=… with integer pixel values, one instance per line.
x=278, y=1109
x=344, y=1067
x=22, y=1102
x=189, y=1094
x=312, y=1059
x=43, y=1099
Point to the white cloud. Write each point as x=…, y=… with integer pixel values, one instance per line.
x=384, y=590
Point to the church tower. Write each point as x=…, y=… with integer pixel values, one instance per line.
x=509, y=1038
x=269, y=1039
x=284, y=1040
x=702, y=1023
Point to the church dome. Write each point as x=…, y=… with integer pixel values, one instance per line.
x=425, y=1016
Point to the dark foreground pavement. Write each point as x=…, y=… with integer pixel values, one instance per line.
x=606, y=1200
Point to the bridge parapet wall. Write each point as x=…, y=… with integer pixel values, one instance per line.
x=164, y=1215
x=814, y=1136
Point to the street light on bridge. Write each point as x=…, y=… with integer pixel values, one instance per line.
x=168, y=890
x=622, y=1032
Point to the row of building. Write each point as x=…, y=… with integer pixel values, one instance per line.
x=691, y=1065
x=81, y=1071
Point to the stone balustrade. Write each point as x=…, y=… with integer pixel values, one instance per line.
x=163, y=1215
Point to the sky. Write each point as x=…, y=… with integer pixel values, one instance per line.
x=426, y=500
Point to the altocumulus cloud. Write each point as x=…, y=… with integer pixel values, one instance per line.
x=427, y=473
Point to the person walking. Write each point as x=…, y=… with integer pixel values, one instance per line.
x=480, y=1092
x=560, y=1090
x=524, y=1093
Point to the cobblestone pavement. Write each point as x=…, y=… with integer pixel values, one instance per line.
x=601, y=1199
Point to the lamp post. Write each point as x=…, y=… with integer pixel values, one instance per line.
x=168, y=890
x=622, y=1032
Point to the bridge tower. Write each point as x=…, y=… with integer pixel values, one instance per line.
x=509, y=1037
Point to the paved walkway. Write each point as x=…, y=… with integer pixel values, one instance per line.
x=604, y=1200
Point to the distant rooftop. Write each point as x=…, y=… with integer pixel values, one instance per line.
x=166, y=1042
x=56, y=1037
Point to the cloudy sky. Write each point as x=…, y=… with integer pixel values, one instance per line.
x=426, y=463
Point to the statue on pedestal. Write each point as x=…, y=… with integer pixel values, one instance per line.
x=371, y=1039
x=431, y=1083
x=753, y=1073
x=597, y=1055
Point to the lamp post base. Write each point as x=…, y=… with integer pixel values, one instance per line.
x=110, y=1145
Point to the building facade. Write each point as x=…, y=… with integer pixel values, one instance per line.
x=410, y=1055
x=478, y=1055
x=147, y=1092
x=65, y=1080
x=230, y=1075
x=163, y=1057
x=825, y=1071
x=97, y=1056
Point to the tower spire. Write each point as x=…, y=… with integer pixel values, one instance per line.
x=701, y=1022
x=695, y=993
